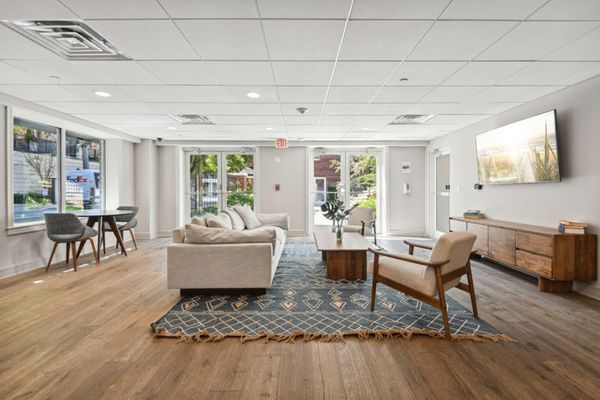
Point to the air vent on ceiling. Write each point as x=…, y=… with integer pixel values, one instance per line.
x=73, y=40
x=411, y=119
x=192, y=119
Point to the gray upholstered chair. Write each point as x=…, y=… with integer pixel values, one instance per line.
x=67, y=228
x=124, y=223
x=425, y=279
x=361, y=220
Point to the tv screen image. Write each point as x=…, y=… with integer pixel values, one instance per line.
x=522, y=152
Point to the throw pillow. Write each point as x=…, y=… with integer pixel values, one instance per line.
x=250, y=219
x=237, y=222
x=200, y=220
x=218, y=221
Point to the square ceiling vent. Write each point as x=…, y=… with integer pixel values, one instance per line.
x=411, y=119
x=192, y=119
x=73, y=40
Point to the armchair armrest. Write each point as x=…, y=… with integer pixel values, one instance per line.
x=409, y=258
x=281, y=220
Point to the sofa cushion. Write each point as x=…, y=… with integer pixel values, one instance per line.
x=247, y=214
x=219, y=221
x=200, y=220
x=205, y=235
x=279, y=233
x=237, y=222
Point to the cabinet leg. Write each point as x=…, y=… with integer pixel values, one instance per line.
x=548, y=285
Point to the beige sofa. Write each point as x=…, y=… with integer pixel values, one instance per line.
x=222, y=261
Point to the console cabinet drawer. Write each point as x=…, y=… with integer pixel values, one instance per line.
x=458, y=226
x=539, y=265
x=481, y=243
x=535, y=243
x=502, y=244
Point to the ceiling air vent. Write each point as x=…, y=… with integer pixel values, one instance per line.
x=411, y=119
x=73, y=40
x=192, y=119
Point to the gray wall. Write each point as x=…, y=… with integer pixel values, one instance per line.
x=577, y=196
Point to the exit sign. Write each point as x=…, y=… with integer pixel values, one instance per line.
x=281, y=143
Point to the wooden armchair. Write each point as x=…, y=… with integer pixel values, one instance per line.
x=424, y=279
x=361, y=220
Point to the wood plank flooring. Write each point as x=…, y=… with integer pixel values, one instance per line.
x=86, y=335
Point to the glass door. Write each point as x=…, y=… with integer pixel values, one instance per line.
x=362, y=180
x=239, y=178
x=327, y=185
x=442, y=194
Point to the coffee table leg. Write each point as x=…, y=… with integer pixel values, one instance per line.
x=349, y=265
x=324, y=255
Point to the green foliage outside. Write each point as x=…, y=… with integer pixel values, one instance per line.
x=363, y=178
x=30, y=198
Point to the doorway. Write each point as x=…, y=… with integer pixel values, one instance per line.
x=441, y=170
x=217, y=180
x=351, y=176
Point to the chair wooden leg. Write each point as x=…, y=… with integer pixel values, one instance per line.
x=103, y=239
x=442, y=296
x=74, y=251
x=96, y=256
x=373, y=293
x=51, y=256
x=68, y=252
x=133, y=238
x=472, y=290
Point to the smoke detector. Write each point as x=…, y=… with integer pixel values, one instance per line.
x=411, y=119
x=192, y=119
x=302, y=110
x=73, y=40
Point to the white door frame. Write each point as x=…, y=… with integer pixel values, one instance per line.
x=433, y=155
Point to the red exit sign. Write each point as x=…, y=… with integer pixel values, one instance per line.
x=281, y=143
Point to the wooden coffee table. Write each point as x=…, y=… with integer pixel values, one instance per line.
x=347, y=259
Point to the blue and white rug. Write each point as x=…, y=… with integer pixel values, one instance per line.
x=304, y=304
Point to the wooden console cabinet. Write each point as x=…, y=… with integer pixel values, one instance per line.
x=557, y=259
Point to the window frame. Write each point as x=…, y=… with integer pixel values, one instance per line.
x=13, y=228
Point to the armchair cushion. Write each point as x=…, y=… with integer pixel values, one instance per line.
x=248, y=216
x=418, y=277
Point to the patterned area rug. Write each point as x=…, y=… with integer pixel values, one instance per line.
x=304, y=304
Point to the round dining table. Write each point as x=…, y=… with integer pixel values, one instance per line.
x=101, y=216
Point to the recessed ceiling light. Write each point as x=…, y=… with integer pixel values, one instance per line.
x=102, y=94
x=253, y=95
x=171, y=128
x=268, y=129
x=403, y=79
x=365, y=129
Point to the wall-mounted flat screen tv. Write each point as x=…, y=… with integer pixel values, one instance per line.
x=522, y=152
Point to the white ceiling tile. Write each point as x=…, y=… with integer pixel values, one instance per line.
x=302, y=94
x=68, y=72
x=386, y=109
x=381, y=40
x=228, y=119
x=40, y=93
x=116, y=9
x=363, y=72
x=13, y=75
x=129, y=108
x=268, y=94
x=258, y=109
x=398, y=9
x=569, y=10
x=485, y=73
x=78, y=107
x=34, y=9
x=118, y=72
x=554, y=73
x=491, y=9
x=342, y=109
x=210, y=8
x=14, y=46
x=459, y=40
x=429, y=73
x=373, y=122
x=351, y=94
x=151, y=93
x=146, y=39
x=460, y=119
x=242, y=72
x=338, y=120
x=311, y=73
x=404, y=94
x=585, y=48
x=87, y=92
x=303, y=39
x=266, y=120
x=203, y=94
x=495, y=108
x=197, y=108
x=451, y=94
x=304, y=9
x=534, y=40
x=508, y=94
x=180, y=72
x=225, y=39
x=301, y=120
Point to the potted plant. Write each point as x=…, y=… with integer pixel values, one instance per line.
x=335, y=211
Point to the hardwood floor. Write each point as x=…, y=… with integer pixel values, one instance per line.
x=86, y=335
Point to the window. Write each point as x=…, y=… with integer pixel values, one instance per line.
x=83, y=176
x=40, y=173
x=35, y=170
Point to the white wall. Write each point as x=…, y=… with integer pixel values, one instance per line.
x=168, y=206
x=577, y=196
x=406, y=212
x=291, y=173
x=27, y=251
x=145, y=186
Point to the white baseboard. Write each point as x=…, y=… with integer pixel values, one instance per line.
x=405, y=232
x=164, y=233
x=296, y=233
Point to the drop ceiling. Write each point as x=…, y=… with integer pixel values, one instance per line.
x=343, y=60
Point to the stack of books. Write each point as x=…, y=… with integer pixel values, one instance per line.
x=473, y=214
x=570, y=226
